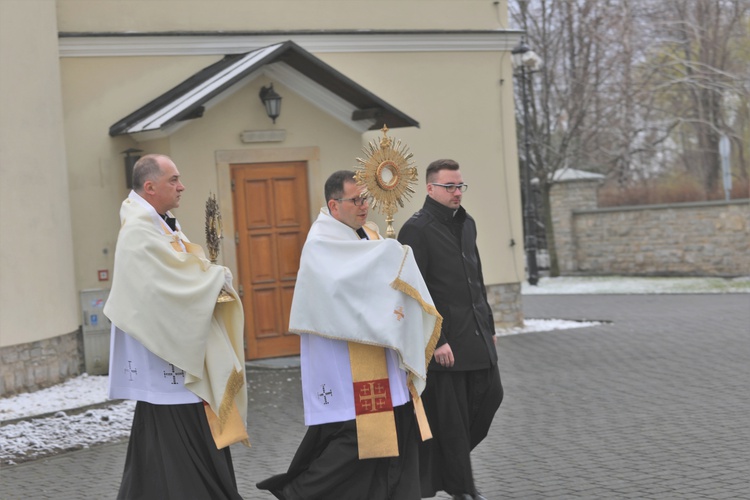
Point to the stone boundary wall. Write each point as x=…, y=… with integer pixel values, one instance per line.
x=36, y=365
x=564, y=198
x=505, y=301
x=685, y=239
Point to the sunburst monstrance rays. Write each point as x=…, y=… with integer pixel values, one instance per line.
x=387, y=174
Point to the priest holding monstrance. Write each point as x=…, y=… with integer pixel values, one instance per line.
x=367, y=329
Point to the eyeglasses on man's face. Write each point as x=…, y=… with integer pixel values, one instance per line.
x=451, y=188
x=358, y=201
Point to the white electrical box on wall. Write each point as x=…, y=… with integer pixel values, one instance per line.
x=96, y=329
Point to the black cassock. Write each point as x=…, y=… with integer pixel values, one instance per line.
x=460, y=406
x=172, y=456
x=327, y=465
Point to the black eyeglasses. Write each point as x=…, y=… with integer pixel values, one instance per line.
x=452, y=187
x=358, y=201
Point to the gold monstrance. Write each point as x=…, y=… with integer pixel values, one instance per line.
x=213, y=238
x=387, y=174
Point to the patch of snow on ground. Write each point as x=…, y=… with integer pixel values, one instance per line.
x=544, y=325
x=630, y=285
x=67, y=429
x=74, y=393
x=29, y=439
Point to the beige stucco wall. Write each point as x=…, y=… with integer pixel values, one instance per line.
x=37, y=289
x=98, y=92
x=243, y=15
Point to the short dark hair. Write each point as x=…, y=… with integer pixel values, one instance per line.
x=334, y=187
x=147, y=168
x=438, y=165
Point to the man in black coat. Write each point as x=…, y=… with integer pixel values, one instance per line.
x=463, y=382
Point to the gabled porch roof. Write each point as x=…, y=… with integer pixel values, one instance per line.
x=286, y=63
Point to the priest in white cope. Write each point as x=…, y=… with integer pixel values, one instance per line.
x=367, y=328
x=174, y=349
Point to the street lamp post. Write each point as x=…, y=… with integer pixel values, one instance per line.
x=525, y=60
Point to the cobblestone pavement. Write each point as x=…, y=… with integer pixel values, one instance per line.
x=651, y=405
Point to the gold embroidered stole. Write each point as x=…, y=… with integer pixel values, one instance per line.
x=231, y=430
x=376, y=424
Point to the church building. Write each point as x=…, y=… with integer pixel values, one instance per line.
x=257, y=102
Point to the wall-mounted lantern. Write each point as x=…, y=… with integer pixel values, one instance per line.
x=272, y=101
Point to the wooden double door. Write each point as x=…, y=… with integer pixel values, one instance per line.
x=272, y=218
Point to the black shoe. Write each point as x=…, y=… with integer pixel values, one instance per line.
x=466, y=496
x=278, y=494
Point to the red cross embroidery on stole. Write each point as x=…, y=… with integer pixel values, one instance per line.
x=372, y=396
